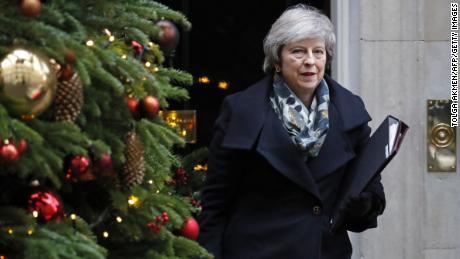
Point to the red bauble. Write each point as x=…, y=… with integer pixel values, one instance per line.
x=137, y=47
x=79, y=169
x=154, y=227
x=103, y=165
x=170, y=38
x=133, y=106
x=151, y=106
x=9, y=153
x=80, y=164
x=21, y=146
x=47, y=204
x=31, y=8
x=190, y=229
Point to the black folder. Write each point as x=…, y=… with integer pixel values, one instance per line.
x=370, y=161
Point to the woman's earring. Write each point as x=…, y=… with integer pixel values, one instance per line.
x=277, y=69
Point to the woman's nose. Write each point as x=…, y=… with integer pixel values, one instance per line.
x=309, y=59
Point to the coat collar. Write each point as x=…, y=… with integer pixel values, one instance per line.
x=254, y=124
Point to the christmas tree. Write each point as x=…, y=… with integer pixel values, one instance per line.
x=86, y=161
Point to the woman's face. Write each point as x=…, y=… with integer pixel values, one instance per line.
x=302, y=65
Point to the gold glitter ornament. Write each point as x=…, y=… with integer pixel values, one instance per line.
x=27, y=83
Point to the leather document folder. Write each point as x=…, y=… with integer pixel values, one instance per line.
x=370, y=161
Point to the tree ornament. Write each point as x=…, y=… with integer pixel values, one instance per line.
x=133, y=106
x=180, y=178
x=45, y=205
x=21, y=146
x=69, y=98
x=137, y=47
x=169, y=38
x=27, y=83
x=154, y=227
x=150, y=106
x=31, y=8
x=79, y=169
x=103, y=166
x=190, y=229
x=9, y=153
x=134, y=167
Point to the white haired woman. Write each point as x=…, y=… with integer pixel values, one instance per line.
x=280, y=151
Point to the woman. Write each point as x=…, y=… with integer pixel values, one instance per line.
x=280, y=151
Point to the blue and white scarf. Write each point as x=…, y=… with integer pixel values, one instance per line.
x=307, y=127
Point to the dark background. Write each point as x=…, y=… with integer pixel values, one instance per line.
x=225, y=43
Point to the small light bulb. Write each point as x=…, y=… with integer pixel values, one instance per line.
x=105, y=234
x=119, y=219
x=112, y=38
x=158, y=191
x=73, y=216
x=156, y=69
x=133, y=200
x=10, y=231
x=90, y=43
x=123, y=57
x=223, y=85
x=148, y=64
x=30, y=232
x=150, y=181
x=106, y=31
x=204, y=80
x=35, y=214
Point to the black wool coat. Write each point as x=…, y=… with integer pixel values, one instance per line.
x=261, y=199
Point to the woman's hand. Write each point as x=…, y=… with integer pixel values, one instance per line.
x=358, y=207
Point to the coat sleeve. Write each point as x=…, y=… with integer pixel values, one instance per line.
x=375, y=187
x=219, y=187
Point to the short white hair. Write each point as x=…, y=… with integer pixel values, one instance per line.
x=298, y=22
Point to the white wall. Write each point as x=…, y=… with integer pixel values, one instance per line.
x=396, y=54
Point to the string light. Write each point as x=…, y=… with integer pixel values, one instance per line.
x=158, y=191
x=90, y=43
x=223, y=85
x=133, y=200
x=30, y=232
x=201, y=167
x=148, y=64
x=10, y=231
x=112, y=38
x=106, y=31
x=35, y=214
x=156, y=69
x=73, y=216
x=105, y=234
x=119, y=219
x=204, y=80
x=150, y=181
x=124, y=57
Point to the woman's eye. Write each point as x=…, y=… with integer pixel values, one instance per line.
x=298, y=52
x=319, y=51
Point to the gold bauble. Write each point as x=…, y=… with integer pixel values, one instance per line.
x=27, y=83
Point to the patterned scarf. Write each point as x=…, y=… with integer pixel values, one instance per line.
x=307, y=127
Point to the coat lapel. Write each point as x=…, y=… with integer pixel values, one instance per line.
x=277, y=148
x=336, y=149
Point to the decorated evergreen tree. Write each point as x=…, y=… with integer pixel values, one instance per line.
x=85, y=159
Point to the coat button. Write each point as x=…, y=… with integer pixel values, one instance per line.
x=316, y=210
